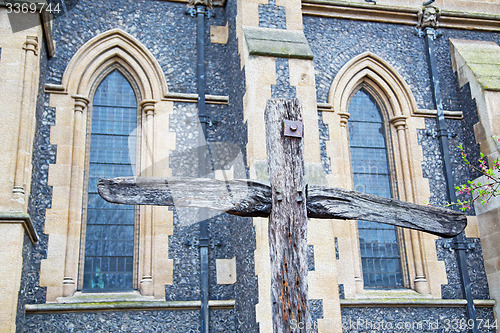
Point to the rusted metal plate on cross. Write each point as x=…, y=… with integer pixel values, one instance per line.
x=293, y=128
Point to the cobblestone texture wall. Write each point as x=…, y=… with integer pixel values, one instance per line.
x=166, y=30
x=334, y=42
x=39, y=200
x=408, y=319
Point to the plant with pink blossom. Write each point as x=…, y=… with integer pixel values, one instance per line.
x=476, y=190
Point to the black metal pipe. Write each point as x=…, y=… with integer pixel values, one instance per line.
x=203, y=164
x=460, y=241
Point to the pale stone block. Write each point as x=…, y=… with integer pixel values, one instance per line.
x=11, y=244
x=492, y=265
x=219, y=33
x=472, y=230
x=226, y=270
x=293, y=10
x=224, y=174
x=250, y=12
x=52, y=268
x=489, y=222
x=56, y=221
x=59, y=174
x=489, y=243
x=60, y=197
x=322, y=285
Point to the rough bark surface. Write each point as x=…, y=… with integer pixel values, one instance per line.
x=238, y=197
x=253, y=198
x=324, y=202
x=288, y=219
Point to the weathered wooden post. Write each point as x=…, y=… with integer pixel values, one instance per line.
x=287, y=202
x=288, y=218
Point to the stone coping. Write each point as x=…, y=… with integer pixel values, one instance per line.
x=277, y=43
x=413, y=302
x=24, y=219
x=482, y=59
x=121, y=305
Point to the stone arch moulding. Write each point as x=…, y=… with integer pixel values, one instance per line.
x=399, y=105
x=383, y=79
x=114, y=46
x=114, y=49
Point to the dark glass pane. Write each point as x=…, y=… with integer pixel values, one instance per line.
x=380, y=256
x=110, y=228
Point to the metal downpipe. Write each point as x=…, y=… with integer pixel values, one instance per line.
x=459, y=241
x=203, y=165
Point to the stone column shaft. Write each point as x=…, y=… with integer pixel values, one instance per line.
x=75, y=196
x=26, y=115
x=420, y=280
x=146, y=282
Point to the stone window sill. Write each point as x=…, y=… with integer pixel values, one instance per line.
x=131, y=301
x=413, y=302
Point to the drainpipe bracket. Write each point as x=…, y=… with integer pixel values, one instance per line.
x=431, y=32
x=459, y=245
x=436, y=134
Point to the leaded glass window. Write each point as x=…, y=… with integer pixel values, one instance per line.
x=109, y=242
x=380, y=255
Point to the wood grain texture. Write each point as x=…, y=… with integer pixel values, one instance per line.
x=237, y=197
x=288, y=219
x=253, y=198
x=325, y=202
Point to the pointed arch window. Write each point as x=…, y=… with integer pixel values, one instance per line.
x=379, y=247
x=109, y=235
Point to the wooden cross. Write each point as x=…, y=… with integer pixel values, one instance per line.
x=288, y=202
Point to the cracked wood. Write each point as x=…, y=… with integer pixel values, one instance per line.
x=253, y=198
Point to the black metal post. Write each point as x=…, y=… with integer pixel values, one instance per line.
x=201, y=10
x=460, y=241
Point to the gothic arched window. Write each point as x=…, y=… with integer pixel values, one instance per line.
x=109, y=236
x=380, y=253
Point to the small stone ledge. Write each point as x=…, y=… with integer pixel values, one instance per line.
x=50, y=88
x=193, y=98
x=413, y=302
x=277, y=43
x=125, y=306
x=325, y=107
x=24, y=219
x=433, y=113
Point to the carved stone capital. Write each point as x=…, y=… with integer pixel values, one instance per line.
x=344, y=117
x=148, y=107
x=81, y=103
x=31, y=44
x=207, y=3
x=399, y=122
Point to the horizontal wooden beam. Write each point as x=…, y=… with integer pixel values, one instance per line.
x=253, y=199
x=237, y=197
x=324, y=202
